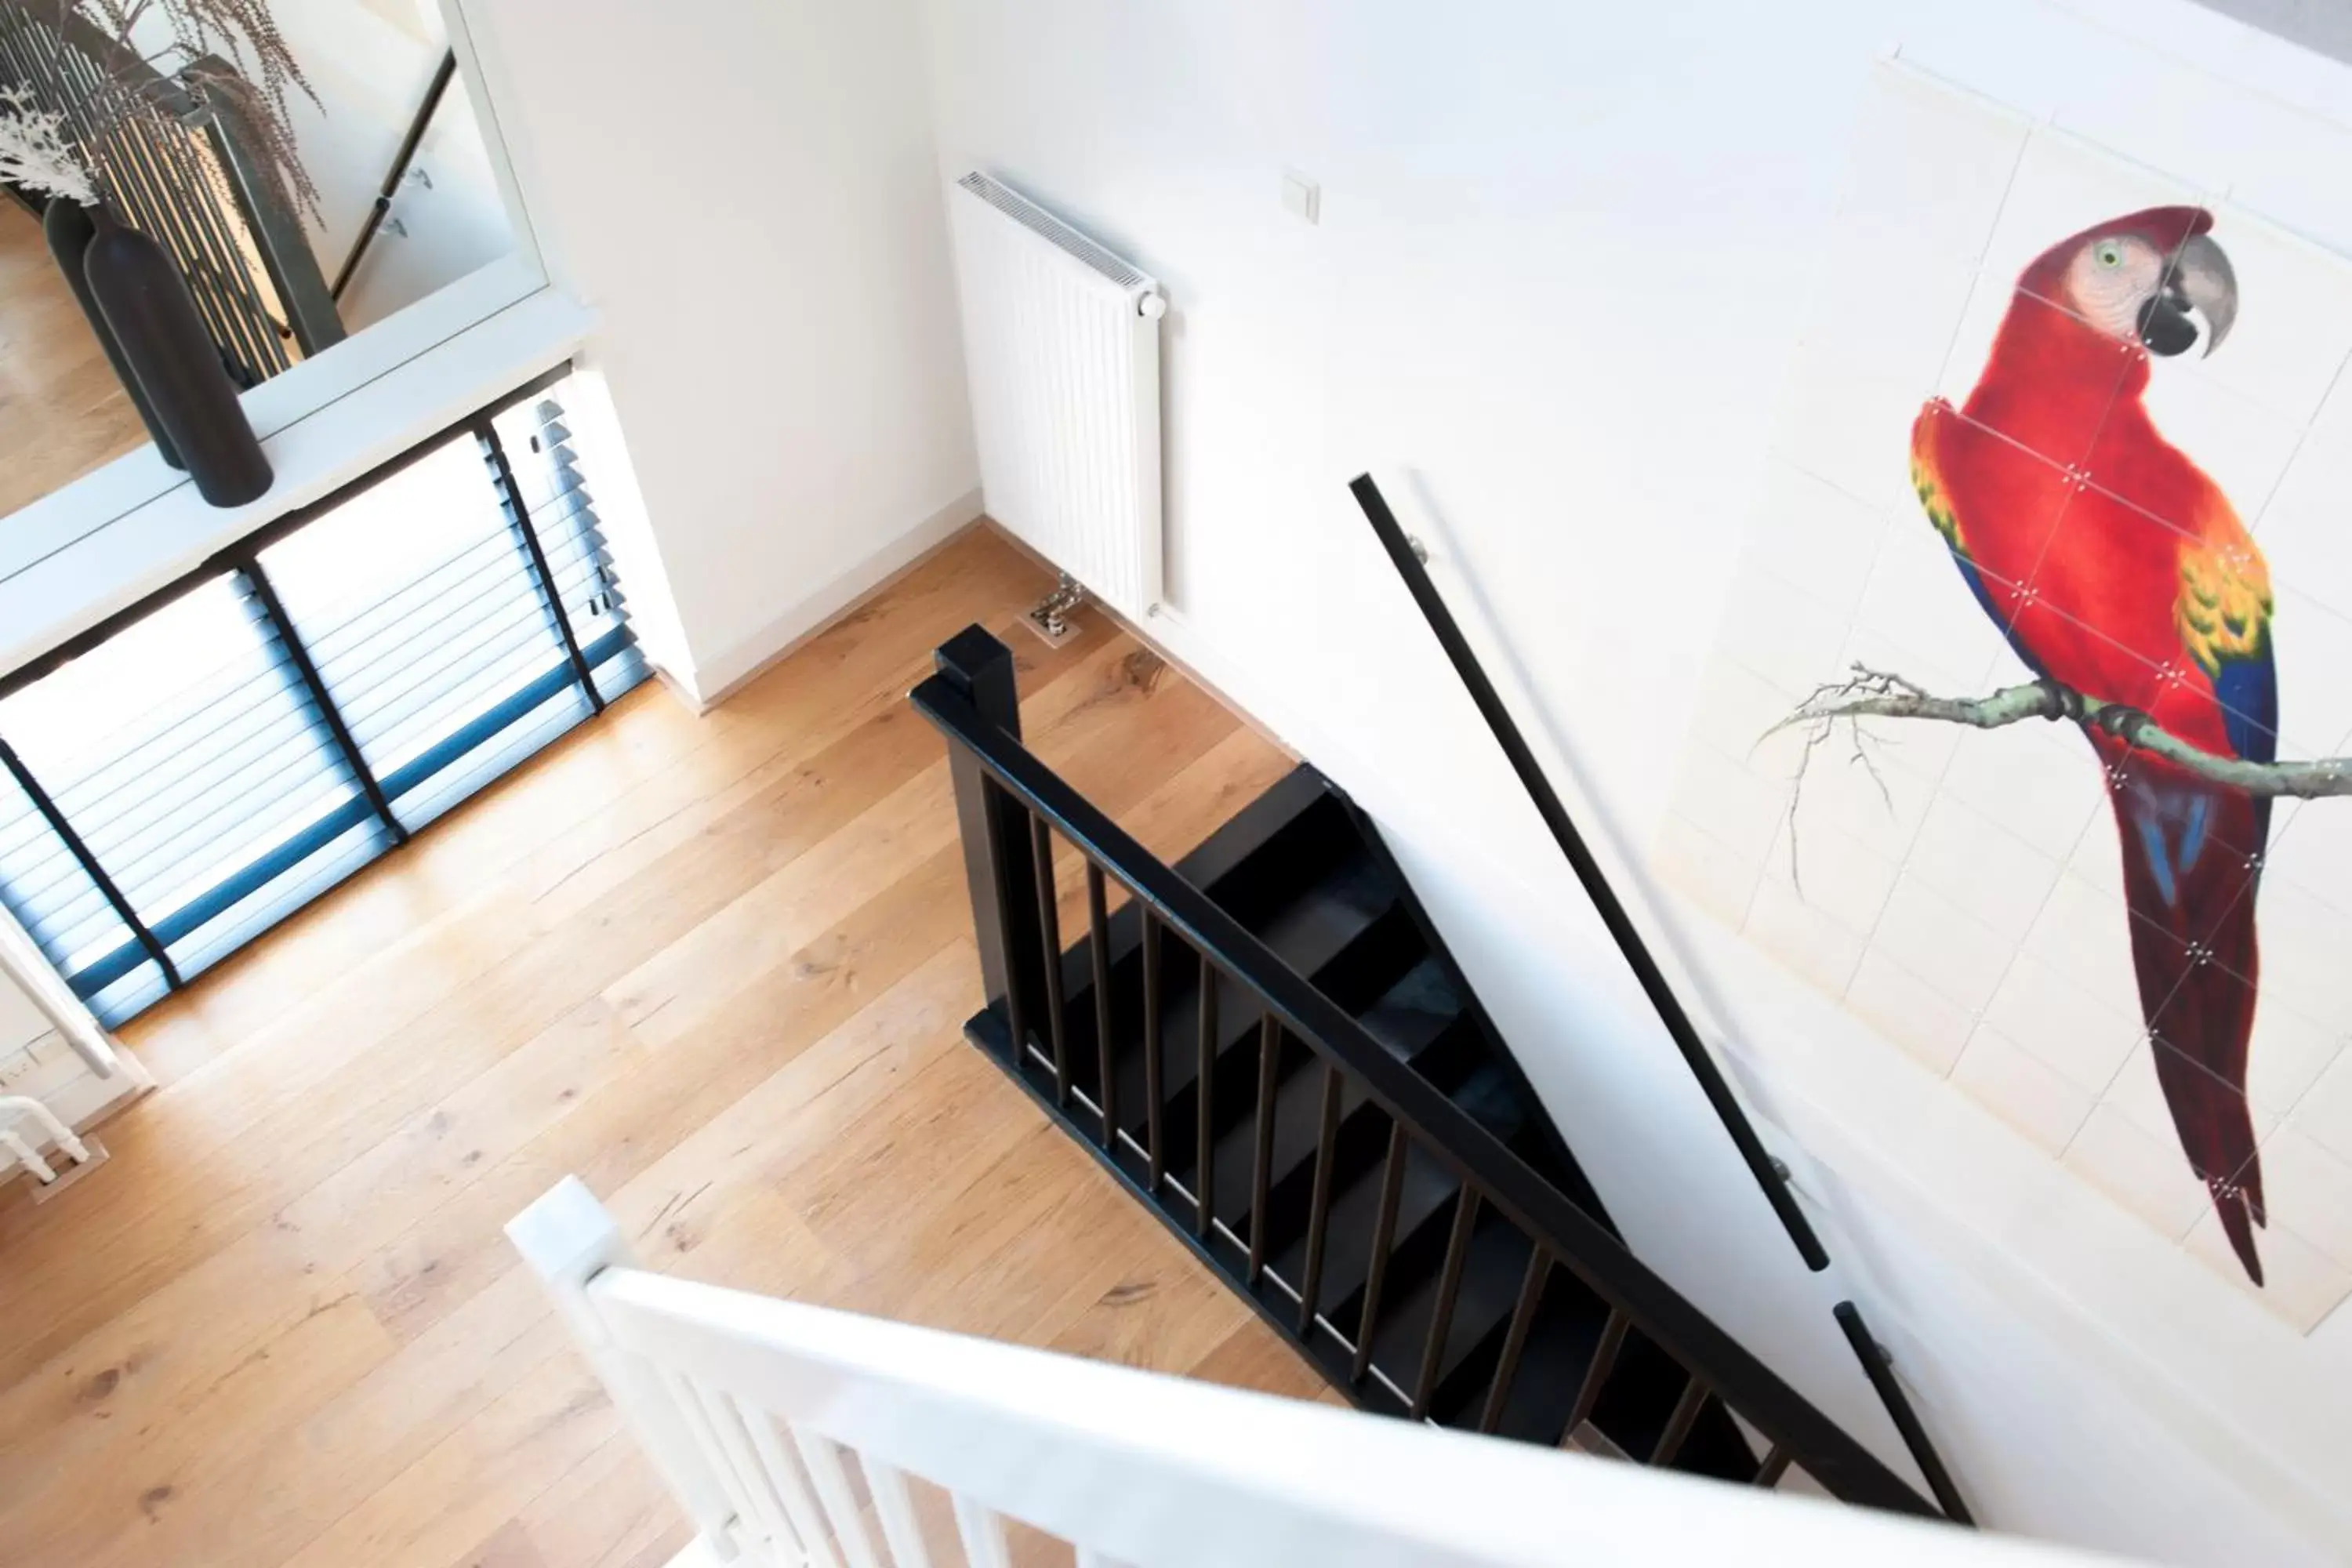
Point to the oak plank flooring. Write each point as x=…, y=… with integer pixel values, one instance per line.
x=62, y=412
x=715, y=966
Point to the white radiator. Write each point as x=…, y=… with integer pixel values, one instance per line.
x=1062, y=339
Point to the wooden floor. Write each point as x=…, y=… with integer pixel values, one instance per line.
x=62, y=412
x=716, y=967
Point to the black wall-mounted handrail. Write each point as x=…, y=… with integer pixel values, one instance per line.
x=1881, y=1372
x=1613, y=913
x=1003, y=788
x=401, y=159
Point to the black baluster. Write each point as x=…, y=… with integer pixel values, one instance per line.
x=1204, y=1173
x=1679, y=1425
x=1775, y=1466
x=1099, y=939
x=1269, y=1060
x=1383, y=1237
x=1154, y=1096
x=1515, y=1341
x=1604, y=1358
x=1449, y=1291
x=1319, y=1213
x=1049, y=924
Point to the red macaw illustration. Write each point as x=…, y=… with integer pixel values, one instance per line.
x=2115, y=566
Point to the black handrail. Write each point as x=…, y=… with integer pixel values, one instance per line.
x=401, y=159
x=1003, y=788
x=1547, y=805
x=1877, y=1367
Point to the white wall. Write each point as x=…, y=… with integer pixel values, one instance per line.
x=1563, y=264
x=748, y=196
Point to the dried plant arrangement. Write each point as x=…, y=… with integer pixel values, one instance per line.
x=36, y=150
x=227, y=54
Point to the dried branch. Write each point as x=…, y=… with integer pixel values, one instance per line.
x=1876, y=694
x=228, y=55
x=36, y=150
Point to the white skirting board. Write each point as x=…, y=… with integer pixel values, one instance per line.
x=713, y=679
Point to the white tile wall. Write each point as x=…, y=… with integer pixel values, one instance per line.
x=1984, y=869
x=1931, y=164
x=1834, y=872
x=2301, y=1179
x=2301, y=1283
x=1781, y=630
x=2313, y=643
x=1951, y=950
x=1784, y=924
x=2305, y=946
x=2139, y=1169
x=2325, y=1114
x=1932, y=1028
x=1870, y=348
x=2301, y=530
x=2065, y=185
x=1961, y=891
x=1728, y=803
x=1713, y=875
x=2038, y=781
x=2081, y=1036
x=1807, y=530
x=2019, y=1088
x=2293, y=329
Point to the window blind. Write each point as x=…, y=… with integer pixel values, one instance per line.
x=208, y=763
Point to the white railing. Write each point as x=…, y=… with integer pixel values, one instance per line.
x=795, y=1435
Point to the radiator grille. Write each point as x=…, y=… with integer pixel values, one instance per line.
x=1040, y=222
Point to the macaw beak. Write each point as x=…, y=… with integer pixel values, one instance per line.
x=2200, y=280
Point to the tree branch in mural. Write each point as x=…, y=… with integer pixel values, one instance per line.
x=1877, y=694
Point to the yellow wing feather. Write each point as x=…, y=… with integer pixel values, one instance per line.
x=1928, y=481
x=2223, y=611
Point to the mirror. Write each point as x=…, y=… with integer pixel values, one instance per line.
x=314, y=170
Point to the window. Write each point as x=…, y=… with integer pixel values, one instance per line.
x=204, y=765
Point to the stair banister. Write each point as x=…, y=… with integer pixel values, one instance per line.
x=1000, y=785
x=765, y=1415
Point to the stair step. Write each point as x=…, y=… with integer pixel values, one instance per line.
x=1568, y=1322
x=1342, y=933
x=1492, y=1272
x=1425, y=1202
x=1639, y=1400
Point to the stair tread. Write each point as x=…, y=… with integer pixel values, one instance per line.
x=1492, y=1272
x=1424, y=1196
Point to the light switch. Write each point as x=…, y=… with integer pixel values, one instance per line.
x=1301, y=196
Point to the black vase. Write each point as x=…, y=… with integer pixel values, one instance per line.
x=147, y=306
x=69, y=229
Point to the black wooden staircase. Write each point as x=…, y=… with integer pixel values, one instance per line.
x=1270, y=1045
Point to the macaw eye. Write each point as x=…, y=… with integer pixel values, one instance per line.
x=2108, y=254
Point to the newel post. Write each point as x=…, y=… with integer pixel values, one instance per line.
x=997, y=860
x=567, y=1239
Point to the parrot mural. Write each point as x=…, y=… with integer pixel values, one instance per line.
x=2114, y=565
